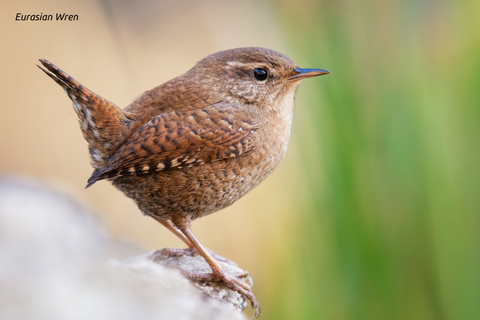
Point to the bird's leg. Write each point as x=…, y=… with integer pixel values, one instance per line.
x=167, y=224
x=217, y=275
x=175, y=252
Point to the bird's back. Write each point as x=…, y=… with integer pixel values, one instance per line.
x=179, y=94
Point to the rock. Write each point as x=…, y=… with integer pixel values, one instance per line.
x=56, y=264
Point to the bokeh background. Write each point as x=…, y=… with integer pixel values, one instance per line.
x=375, y=211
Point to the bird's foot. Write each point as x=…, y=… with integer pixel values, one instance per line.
x=191, y=251
x=173, y=252
x=229, y=281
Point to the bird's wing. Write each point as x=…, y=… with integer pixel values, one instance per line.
x=174, y=139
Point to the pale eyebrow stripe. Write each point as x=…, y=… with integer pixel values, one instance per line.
x=236, y=64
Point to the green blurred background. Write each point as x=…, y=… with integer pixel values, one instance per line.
x=374, y=213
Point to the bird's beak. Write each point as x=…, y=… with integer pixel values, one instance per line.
x=306, y=73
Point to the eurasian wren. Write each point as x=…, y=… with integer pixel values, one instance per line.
x=197, y=143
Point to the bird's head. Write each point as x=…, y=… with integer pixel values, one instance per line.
x=251, y=76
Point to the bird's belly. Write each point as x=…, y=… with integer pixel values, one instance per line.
x=200, y=190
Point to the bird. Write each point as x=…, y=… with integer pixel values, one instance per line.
x=195, y=144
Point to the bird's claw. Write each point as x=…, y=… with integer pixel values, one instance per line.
x=231, y=282
x=245, y=290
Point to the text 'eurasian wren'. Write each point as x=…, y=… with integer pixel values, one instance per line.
x=197, y=143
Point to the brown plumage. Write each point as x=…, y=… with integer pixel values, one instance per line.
x=197, y=143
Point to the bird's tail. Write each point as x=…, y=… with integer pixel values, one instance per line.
x=104, y=125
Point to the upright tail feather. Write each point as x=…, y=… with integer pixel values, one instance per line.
x=104, y=125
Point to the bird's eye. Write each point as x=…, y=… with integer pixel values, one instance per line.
x=260, y=74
